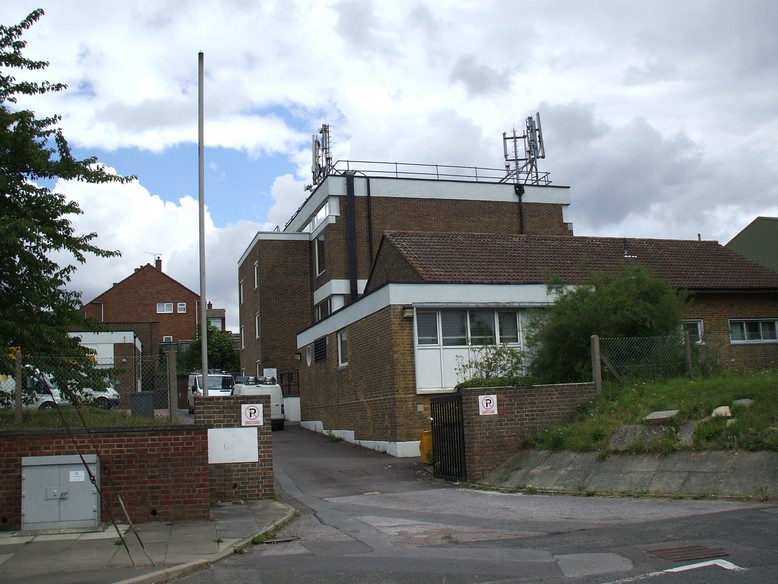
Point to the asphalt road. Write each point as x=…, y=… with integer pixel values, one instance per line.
x=370, y=518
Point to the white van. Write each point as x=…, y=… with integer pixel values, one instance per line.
x=276, y=399
x=218, y=384
x=42, y=396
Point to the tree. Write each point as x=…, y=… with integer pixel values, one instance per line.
x=222, y=353
x=36, y=309
x=631, y=303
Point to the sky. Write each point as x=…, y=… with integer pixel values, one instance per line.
x=661, y=116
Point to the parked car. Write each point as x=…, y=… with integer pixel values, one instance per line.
x=265, y=387
x=38, y=391
x=104, y=399
x=218, y=384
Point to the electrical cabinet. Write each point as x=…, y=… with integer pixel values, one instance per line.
x=58, y=493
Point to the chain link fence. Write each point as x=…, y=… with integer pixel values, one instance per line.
x=631, y=359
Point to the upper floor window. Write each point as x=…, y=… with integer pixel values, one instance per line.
x=164, y=308
x=322, y=310
x=320, y=264
x=240, y=292
x=256, y=325
x=753, y=331
x=181, y=309
x=167, y=339
x=256, y=274
x=343, y=347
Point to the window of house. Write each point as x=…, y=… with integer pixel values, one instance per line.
x=240, y=292
x=256, y=274
x=320, y=349
x=320, y=264
x=256, y=325
x=181, y=308
x=427, y=327
x=164, y=308
x=466, y=327
x=242, y=337
x=693, y=327
x=753, y=331
x=343, y=347
x=322, y=309
x=167, y=339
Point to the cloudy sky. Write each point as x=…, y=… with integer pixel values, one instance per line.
x=661, y=116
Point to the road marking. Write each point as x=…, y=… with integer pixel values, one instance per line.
x=719, y=563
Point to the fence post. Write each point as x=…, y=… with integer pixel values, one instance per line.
x=596, y=364
x=172, y=386
x=18, y=388
x=687, y=346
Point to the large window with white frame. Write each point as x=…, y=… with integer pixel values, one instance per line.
x=463, y=327
x=693, y=327
x=164, y=308
x=752, y=330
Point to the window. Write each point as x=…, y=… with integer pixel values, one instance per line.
x=164, y=308
x=453, y=324
x=320, y=349
x=693, y=327
x=242, y=338
x=320, y=264
x=240, y=292
x=256, y=325
x=343, y=347
x=322, y=310
x=427, y=328
x=256, y=274
x=459, y=328
x=482, y=327
x=181, y=308
x=752, y=331
x=167, y=339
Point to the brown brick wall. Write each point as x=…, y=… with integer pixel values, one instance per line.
x=160, y=473
x=283, y=298
x=521, y=412
x=244, y=481
x=375, y=394
x=135, y=299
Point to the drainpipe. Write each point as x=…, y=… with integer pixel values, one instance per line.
x=369, y=222
x=519, y=190
x=351, y=234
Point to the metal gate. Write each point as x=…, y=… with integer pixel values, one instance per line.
x=448, y=437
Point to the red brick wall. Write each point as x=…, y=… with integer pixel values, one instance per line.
x=161, y=473
x=135, y=299
x=244, y=481
x=521, y=412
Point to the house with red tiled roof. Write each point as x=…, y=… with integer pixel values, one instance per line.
x=371, y=367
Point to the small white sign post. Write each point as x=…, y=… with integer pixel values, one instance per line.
x=487, y=405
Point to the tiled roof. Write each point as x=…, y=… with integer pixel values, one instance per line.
x=529, y=259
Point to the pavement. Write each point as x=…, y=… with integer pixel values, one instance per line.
x=159, y=552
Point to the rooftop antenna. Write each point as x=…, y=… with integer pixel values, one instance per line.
x=522, y=167
x=321, y=156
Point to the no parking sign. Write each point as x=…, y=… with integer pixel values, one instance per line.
x=487, y=405
x=251, y=415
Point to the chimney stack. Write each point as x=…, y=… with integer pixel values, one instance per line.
x=158, y=263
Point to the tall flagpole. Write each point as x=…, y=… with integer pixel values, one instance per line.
x=201, y=180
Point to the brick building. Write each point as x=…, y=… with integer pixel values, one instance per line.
x=322, y=259
x=369, y=370
x=158, y=308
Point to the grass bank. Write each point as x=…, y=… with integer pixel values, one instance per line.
x=753, y=427
x=37, y=419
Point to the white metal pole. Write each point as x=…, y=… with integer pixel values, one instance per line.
x=201, y=180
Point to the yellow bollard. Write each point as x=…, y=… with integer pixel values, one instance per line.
x=425, y=447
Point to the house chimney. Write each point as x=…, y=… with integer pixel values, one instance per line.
x=210, y=305
x=158, y=263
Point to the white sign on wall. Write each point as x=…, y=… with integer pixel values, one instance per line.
x=487, y=405
x=251, y=415
x=227, y=445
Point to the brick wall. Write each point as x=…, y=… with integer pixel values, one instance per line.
x=161, y=473
x=375, y=394
x=522, y=412
x=244, y=481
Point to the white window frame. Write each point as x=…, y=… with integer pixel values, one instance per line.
x=181, y=308
x=240, y=291
x=242, y=337
x=167, y=339
x=342, y=347
x=764, y=323
x=321, y=265
x=256, y=325
x=441, y=342
x=256, y=274
x=164, y=308
x=688, y=323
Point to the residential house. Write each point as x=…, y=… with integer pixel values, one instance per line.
x=758, y=241
x=370, y=368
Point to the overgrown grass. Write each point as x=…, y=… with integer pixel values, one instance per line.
x=751, y=428
x=36, y=419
